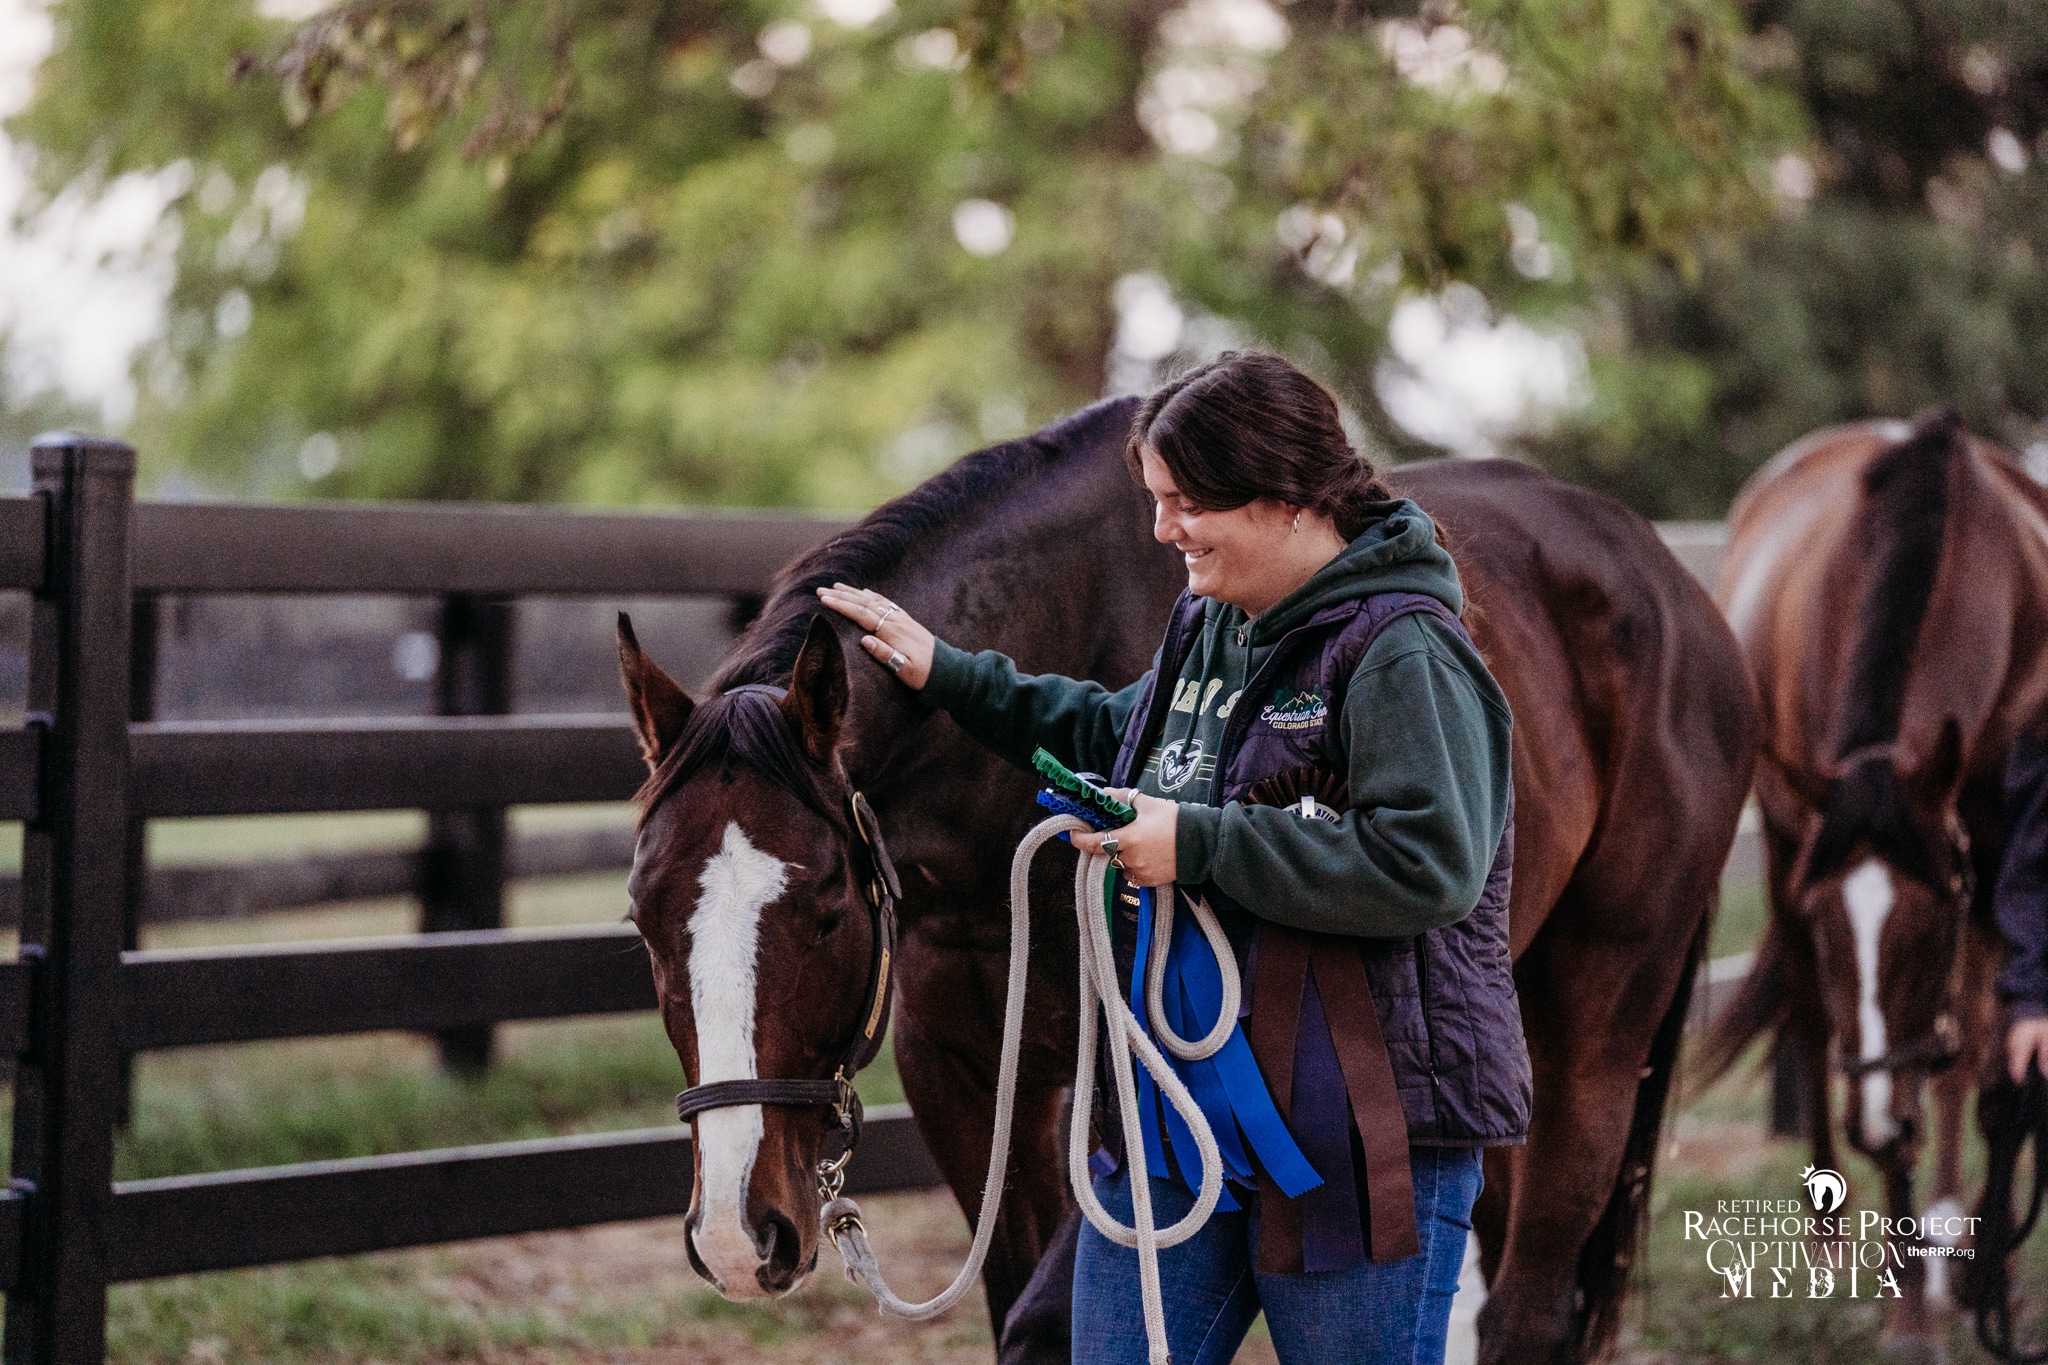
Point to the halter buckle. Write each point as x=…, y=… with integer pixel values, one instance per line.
x=832, y=1175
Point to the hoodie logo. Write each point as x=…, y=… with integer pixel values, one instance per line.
x=1295, y=710
x=1176, y=767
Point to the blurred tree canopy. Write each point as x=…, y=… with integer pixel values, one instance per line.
x=1907, y=266
x=754, y=251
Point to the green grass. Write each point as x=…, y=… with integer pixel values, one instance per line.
x=1739, y=921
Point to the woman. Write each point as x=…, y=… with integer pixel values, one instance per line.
x=1316, y=653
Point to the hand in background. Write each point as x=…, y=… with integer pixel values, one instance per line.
x=2026, y=1040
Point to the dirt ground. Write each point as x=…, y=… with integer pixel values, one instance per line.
x=921, y=1238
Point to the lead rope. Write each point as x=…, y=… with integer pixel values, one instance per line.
x=840, y=1217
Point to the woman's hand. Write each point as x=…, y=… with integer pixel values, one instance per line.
x=1145, y=847
x=2026, y=1042
x=892, y=634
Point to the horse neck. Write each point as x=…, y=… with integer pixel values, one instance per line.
x=1996, y=664
x=1059, y=573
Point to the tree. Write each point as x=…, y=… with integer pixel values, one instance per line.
x=664, y=250
x=1904, y=269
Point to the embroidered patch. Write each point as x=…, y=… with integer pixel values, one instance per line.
x=1295, y=710
x=1177, y=763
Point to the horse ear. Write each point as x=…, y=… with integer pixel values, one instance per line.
x=1935, y=780
x=816, y=703
x=660, y=708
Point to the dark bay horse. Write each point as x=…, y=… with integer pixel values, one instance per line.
x=1889, y=587
x=1633, y=742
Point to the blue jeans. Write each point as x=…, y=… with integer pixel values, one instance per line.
x=1391, y=1314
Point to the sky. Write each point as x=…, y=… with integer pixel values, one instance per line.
x=84, y=280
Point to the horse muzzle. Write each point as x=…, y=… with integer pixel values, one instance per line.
x=753, y=1259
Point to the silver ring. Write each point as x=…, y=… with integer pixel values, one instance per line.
x=881, y=620
x=894, y=663
x=1109, y=845
x=1117, y=862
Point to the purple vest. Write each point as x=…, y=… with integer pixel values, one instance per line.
x=1446, y=998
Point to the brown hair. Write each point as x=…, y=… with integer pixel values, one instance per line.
x=1248, y=425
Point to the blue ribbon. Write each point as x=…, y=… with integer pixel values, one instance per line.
x=1227, y=1087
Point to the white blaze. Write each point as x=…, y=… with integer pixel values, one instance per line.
x=1945, y=1214
x=1868, y=894
x=725, y=934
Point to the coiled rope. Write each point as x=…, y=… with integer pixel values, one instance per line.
x=840, y=1217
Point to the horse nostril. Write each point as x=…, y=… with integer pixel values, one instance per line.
x=779, y=1267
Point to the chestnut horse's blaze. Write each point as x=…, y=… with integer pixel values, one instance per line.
x=1634, y=739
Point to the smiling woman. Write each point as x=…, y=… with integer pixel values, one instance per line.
x=1317, y=649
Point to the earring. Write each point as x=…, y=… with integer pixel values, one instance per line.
x=1297, y=525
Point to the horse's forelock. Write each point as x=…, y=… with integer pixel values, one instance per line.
x=738, y=729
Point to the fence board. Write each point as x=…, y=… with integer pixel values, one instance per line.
x=20, y=772
x=24, y=541
x=434, y=550
x=229, y=1219
x=10, y=1240
x=252, y=768
x=189, y=997
x=14, y=985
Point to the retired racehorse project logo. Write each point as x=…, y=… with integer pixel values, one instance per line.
x=1825, y=1188
x=1776, y=1249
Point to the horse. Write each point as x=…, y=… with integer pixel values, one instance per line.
x=1633, y=743
x=1888, y=584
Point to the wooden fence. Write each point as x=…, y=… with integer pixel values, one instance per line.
x=91, y=767
x=85, y=774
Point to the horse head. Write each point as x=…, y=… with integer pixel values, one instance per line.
x=1883, y=882
x=762, y=891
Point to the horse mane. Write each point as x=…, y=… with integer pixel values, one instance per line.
x=740, y=724
x=1905, y=520
x=878, y=544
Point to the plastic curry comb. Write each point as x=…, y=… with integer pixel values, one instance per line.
x=1072, y=793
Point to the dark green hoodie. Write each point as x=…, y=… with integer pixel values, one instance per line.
x=1425, y=730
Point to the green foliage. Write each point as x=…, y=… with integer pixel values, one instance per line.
x=551, y=250
x=1915, y=277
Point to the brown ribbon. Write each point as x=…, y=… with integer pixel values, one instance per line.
x=1285, y=958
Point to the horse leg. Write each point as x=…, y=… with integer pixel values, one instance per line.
x=951, y=1089
x=1974, y=968
x=1590, y=1042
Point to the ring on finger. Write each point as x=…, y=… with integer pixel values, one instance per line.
x=894, y=663
x=1116, y=860
x=892, y=610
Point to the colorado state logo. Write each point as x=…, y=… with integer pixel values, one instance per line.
x=1825, y=1188
x=1295, y=711
x=1176, y=767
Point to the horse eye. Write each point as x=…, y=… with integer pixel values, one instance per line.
x=826, y=928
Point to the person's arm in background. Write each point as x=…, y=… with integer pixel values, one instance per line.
x=2020, y=903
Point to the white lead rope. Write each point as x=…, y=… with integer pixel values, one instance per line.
x=840, y=1217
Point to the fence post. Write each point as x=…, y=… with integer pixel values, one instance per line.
x=142, y=668
x=464, y=867
x=73, y=904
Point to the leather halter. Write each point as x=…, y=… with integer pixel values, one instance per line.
x=880, y=890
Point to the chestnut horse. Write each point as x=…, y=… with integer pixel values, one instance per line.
x=1889, y=588
x=1633, y=746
